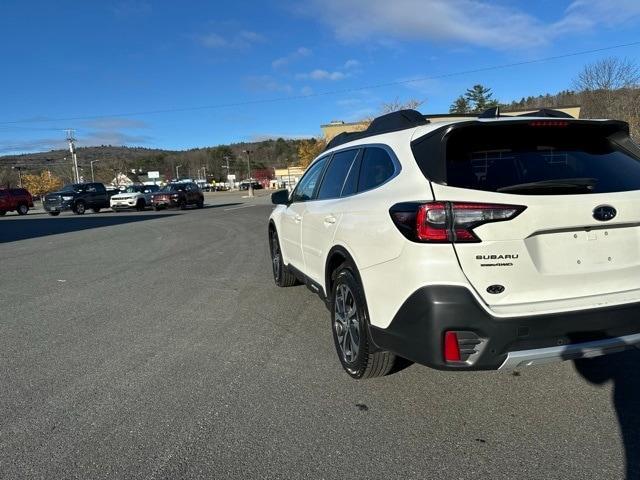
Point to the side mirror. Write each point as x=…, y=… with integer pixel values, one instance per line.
x=281, y=197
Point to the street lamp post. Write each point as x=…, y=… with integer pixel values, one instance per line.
x=92, y=162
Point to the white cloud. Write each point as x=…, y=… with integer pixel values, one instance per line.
x=261, y=83
x=474, y=22
x=293, y=56
x=240, y=40
x=259, y=137
x=320, y=74
x=349, y=64
x=114, y=123
x=306, y=90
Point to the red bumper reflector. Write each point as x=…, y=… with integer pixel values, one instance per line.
x=451, y=347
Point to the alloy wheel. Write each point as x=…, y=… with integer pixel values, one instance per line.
x=275, y=256
x=347, y=323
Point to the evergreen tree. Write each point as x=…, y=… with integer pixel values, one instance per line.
x=460, y=105
x=480, y=98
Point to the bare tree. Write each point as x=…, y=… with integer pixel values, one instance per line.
x=393, y=106
x=610, y=88
x=396, y=104
x=608, y=74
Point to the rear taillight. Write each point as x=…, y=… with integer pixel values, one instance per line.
x=448, y=222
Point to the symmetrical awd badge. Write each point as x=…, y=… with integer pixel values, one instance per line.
x=603, y=213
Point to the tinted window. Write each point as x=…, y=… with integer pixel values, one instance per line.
x=335, y=174
x=307, y=186
x=516, y=158
x=377, y=167
x=351, y=183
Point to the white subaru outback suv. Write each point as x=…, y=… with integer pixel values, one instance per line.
x=489, y=243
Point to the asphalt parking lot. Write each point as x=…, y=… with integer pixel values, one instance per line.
x=155, y=345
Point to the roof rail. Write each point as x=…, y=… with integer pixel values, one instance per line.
x=391, y=122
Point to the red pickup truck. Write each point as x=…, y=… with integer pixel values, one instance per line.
x=17, y=199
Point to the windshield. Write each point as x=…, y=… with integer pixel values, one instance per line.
x=72, y=187
x=172, y=188
x=132, y=189
x=521, y=159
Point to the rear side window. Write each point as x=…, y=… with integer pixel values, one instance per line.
x=539, y=160
x=377, y=167
x=336, y=174
x=351, y=183
x=309, y=181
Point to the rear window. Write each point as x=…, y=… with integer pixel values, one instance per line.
x=533, y=159
x=377, y=167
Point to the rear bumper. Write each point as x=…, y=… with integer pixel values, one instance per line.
x=417, y=332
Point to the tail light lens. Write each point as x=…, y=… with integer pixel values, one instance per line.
x=451, y=347
x=448, y=222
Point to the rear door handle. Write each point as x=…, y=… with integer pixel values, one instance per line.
x=297, y=218
x=330, y=219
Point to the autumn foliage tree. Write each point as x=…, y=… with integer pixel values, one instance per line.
x=40, y=184
x=310, y=149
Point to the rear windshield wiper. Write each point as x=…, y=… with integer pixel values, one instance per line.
x=581, y=184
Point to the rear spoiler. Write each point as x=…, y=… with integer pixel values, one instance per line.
x=430, y=149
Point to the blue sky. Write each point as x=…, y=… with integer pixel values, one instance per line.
x=66, y=61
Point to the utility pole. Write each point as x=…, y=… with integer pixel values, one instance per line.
x=177, y=170
x=226, y=158
x=19, y=175
x=248, y=152
x=72, y=150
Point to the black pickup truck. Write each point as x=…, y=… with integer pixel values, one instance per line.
x=78, y=197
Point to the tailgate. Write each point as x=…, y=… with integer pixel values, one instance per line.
x=578, y=183
x=555, y=249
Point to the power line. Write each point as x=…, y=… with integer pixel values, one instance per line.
x=330, y=92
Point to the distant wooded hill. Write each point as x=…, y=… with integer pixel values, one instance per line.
x=108, y=159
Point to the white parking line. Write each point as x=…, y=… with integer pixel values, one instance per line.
x=242, y=206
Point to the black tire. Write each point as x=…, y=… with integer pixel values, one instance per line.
x=2, y=213
x=23, y=209
x=141, y=205
x=200, y=203
x=96, y=210
x=79, y=208
x=350, y=327
x=281, y=274
x=115, y=209
x=157, y=208
x=54, y=214
x=182, y=204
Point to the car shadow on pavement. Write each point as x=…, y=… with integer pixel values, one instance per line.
x=24, y=228
x=221, y=205
x=623, y=369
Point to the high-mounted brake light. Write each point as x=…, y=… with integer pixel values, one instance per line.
x=448, y=222
x=549, y=123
